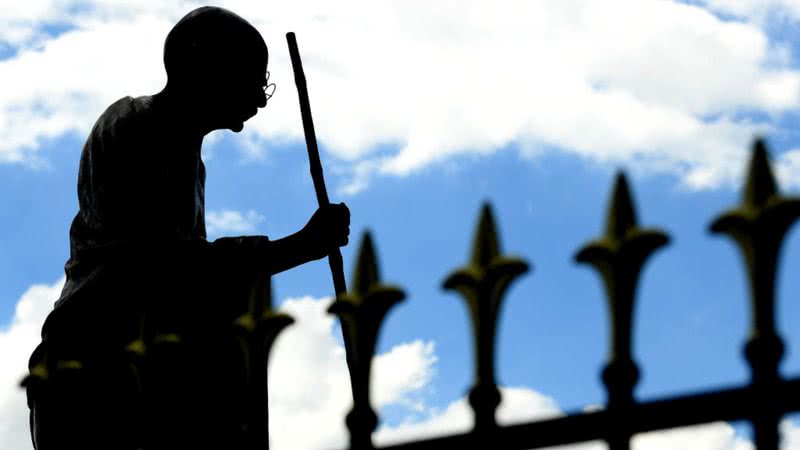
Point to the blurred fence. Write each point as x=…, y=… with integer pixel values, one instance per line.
x=757, y=226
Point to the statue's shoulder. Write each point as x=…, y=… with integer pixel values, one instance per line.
x=123, y=114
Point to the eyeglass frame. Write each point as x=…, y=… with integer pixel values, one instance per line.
x=266, y=87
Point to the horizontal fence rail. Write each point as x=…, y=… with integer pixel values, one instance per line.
x=726, y=405
x=757, y=226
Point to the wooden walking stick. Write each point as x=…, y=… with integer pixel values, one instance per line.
x=335, y=257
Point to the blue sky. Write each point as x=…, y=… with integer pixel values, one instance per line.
x=419, y=191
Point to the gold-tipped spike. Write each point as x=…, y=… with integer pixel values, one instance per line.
x=361, y=312
x=246, y=322
x=259, y=303
x=758, y=226
x=37, y=374
x=621, y=214
x=269, y=326
x=167, y=338
x=623, y=238
x=485, y=246
x=366, y=273
x=137, y=347
x=40, y=371
x=760, y=185
x=619, y=257
x=483, y=284
x=69, y=364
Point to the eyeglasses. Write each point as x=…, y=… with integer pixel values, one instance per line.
x=269, y=88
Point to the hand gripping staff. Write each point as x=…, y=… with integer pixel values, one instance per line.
x=335, y=257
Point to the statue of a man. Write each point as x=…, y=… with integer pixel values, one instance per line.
x=138, y=245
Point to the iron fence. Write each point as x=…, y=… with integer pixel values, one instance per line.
x=757, y=225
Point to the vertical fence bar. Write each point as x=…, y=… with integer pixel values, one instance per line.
x=361, y=311
x=134, y=354
x=256, y=330
x=758, y=226
x=619, y=257
x=483, y=283
x=268, y=326
x=254, y=420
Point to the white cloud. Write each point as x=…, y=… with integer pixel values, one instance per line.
x=230, y=221
x=787, y=168
x=63, y=86
x=519, y=405
x=402, y=372
x=309, y=383
x=661, y=92
x=713, y=436
x=790, y=434
x=17, y=341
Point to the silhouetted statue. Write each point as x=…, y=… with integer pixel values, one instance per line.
x=138, y=249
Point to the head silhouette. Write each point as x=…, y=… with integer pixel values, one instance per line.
x=216, y=65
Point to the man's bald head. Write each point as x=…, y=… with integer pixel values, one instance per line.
x=209, y=40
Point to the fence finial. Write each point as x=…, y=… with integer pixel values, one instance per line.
x=483, y=284
x=361, y=311
x=758, y=226
x=619, y=257
x=268, y=325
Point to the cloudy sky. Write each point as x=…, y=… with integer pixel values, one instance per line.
x=423, y=111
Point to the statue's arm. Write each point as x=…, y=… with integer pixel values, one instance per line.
x=327, y=229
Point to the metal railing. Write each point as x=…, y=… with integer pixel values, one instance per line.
x=757, y=225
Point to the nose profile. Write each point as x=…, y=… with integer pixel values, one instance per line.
x=262, y=98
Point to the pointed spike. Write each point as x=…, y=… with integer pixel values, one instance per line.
x=485, y=246
x=760, y=185
x=621, y=212
x=366, y=273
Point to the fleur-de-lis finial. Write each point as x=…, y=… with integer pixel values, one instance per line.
x=268, y=325
x=758, y=226
x=483, y=283
x=619, y=257
x=38, y=374
x=361, y=312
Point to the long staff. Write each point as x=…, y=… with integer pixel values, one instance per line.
x=335, y=257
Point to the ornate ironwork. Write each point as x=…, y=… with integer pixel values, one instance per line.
x=758, y=226
x=361, y=311
x=618, y=257
x=483, y=283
